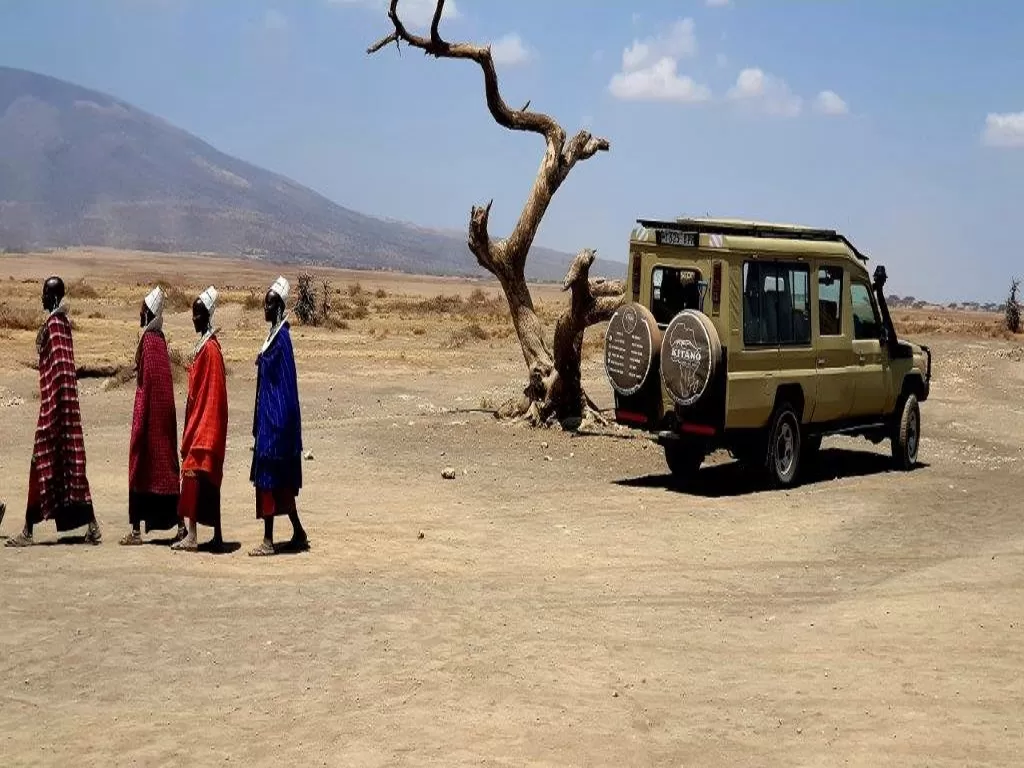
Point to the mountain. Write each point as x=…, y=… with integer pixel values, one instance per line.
x=78, y=167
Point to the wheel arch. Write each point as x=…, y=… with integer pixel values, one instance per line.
x=794, y=395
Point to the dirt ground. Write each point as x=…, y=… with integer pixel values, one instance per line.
x=557, y=603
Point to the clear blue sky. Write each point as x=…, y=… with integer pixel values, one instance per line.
x=870, y=116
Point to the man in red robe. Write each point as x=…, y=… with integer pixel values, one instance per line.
x=204, y=440
x=58, y=488
x=153, y=469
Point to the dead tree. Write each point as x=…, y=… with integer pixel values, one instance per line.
x=553, y=391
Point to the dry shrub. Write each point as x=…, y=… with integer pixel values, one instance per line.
x=419, y=330
x=462, y=336
x=19, y=318
x=355, y=289
x=96, y=315
x=336, y=324
x=252, y=300
x=82, y=290
x=381, y=293
x=177, y=299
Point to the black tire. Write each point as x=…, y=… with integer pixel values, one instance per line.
x=683, y=461
x=906, y=437
x=783, y=455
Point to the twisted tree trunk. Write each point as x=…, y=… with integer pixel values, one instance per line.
x=553, y=391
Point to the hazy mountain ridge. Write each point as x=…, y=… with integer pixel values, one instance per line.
x=79, y=167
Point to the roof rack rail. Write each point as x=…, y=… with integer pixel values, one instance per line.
x=752, y=229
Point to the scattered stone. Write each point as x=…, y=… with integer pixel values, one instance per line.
x=547, y=458
x=448, y=473
x=615, y=694
x=544, y=445
x=420, y=536
x=308, y=456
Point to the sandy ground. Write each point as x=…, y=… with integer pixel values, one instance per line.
x=564, y=606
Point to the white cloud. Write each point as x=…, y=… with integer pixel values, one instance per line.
x=650, y=68
x=1004, y=130
x=414, y=13
x=658, y=82
x=717, y=3
x=830, y=103
x=510, y=51
x=766, y=93
x=275, y=21
x=677, y=42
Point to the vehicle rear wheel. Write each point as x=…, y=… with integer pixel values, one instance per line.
x=683, y=461
x=782, y=460
x=907, y=434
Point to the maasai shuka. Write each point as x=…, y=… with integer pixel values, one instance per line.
x=204, y=439
x=58, y=456
x=153, y=449
x=277, y=421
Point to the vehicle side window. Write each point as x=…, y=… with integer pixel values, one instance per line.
x=830, y=301
x=776, y=304
x=672, y=291
x=866, y=323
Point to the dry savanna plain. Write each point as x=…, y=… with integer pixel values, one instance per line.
x=557, y=603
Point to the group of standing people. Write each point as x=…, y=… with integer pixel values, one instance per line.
x=164, y=493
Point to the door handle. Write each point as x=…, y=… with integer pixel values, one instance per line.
x=820, y=361
x=861, y=358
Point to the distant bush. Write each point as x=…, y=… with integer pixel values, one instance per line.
x=1012, y=311
x=82, y=290
x=19, y=319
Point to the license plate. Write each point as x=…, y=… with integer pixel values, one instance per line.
x=673, y=237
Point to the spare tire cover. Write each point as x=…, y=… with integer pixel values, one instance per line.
x=631, y=345
x=691, y=354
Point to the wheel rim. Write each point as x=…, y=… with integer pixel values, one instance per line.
x=785, y=449
x=913, y=431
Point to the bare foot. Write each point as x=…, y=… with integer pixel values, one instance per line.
x=297, y=543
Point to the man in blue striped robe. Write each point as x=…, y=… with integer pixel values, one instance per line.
x=276, y=470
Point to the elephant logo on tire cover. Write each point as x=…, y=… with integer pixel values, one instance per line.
x=687, y=355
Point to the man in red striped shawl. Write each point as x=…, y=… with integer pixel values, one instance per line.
x=153, y=469
x=58, y=487
x=204, y=440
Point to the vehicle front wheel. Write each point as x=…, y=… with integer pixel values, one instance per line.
x=782, y=461
x=907, y=434
x=683, y=461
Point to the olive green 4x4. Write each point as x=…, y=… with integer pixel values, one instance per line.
x=760, y=339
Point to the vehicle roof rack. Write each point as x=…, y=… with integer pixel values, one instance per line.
x=752, y=229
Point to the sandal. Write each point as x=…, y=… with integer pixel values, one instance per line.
x=21, y=540
x=132, y=537
x=93, y=535
x=185, y=545
x=263, y=550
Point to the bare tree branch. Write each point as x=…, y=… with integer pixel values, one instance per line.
x=559, y=157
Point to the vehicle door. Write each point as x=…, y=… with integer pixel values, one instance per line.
x=871, y=358
x=834, y=356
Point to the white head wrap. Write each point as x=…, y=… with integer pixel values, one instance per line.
x=209, y=299
x=281, y=288
x=155, y=301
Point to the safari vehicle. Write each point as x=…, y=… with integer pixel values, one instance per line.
x=759, y=339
